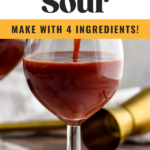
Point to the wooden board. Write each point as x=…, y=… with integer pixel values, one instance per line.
x=58, y=142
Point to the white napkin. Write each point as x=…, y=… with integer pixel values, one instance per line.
x=9, y=146
x=17, y=103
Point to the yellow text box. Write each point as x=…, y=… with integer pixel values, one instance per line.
x=72, y=29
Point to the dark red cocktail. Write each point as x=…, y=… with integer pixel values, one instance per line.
x=11, y=52
x=73, y=90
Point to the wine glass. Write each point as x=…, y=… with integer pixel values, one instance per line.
x=73, y=89
x=11, y=52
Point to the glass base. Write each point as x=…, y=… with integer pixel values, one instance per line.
x=9, y=146
x=73, y=122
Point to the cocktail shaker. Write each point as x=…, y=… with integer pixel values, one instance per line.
x=109, y=127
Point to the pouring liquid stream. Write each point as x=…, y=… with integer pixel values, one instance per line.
x=76, y=49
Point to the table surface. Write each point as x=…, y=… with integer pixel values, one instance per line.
x=57, y=141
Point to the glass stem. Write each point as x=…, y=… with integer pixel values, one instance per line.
x=73, y=138
x=0, y=141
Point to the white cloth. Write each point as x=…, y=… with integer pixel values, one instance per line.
x=17, y=103
x=9, y=146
